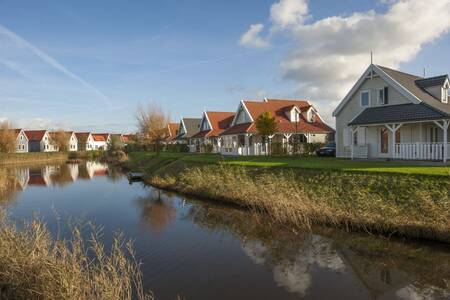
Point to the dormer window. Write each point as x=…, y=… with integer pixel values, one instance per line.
x=445, y=92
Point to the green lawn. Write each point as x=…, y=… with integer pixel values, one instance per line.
x=325, y=163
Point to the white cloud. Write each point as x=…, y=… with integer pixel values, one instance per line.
x=252, y=37
x=289, y=12
x=330, y=54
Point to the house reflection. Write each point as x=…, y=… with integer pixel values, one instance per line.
x=297, y=260
x=58, y=175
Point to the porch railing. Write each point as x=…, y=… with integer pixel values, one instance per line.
x=360, y=151
x=421, y=151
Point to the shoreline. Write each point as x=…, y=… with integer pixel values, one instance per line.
x=12, y=159
x=289, y=197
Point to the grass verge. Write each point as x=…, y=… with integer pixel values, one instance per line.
x=309, y=163
x=32, y=157
x=407, y=205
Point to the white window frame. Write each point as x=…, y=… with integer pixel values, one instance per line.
x=444, y=92
x=361, y=98
x=381, y=90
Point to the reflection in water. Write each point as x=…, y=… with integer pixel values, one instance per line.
x=390, y=269
x=59, y=175
x=157, y=211
x=293, y=272
x=206, y=237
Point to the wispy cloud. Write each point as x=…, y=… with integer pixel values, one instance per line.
x=22, y=43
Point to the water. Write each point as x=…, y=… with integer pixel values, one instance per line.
x=202, y=250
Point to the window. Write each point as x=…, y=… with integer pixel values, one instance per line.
x=383, y=96
x=365, y=98
x=445, y=94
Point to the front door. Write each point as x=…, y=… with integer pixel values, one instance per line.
x=383, y=141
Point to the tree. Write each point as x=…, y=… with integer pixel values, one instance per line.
x=266, y=125
x=7, y=138
x=61, y=140
x=152, y=125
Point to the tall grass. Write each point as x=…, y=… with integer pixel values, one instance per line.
x=34, y=266
x=32, y=157
x=393, y=204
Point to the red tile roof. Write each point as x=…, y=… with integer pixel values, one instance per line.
x=278, y=108
x=82, y=135
x=220, y=121
x=98, y=137
x=35, y=135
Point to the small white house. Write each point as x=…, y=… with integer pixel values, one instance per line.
x=21, y=141
x=39, y=141
x=101, y=141
x=73, y=141
x=85, y=141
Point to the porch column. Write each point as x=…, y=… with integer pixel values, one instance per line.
x=444, y=127
x=247, y=143
x=352, y=143
x=288, y=137
x=270, y=143
x=393, y=129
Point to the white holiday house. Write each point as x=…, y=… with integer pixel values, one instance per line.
x=39, y=141
x=395, y=115
x=297, y=121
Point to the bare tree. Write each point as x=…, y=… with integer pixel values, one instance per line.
x=60, y=139
x=7, y=138
x=152, y=125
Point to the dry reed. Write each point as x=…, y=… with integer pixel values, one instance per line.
x=393, y=204
x=34, y=266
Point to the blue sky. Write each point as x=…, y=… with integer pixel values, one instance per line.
x=87, y=65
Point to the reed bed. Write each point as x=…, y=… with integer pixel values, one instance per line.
x=406, y=205
x=34, y=266
x=32, y=157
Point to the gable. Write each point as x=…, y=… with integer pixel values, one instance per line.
x=242, y=115
x=379, y=79
x=206, y=125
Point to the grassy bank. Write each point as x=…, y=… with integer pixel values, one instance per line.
x=309, y=163
x=389, y=203
x=32, y=157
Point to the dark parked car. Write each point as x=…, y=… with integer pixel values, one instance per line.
x=328, y=150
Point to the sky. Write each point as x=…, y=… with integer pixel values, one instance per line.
x=88, y=65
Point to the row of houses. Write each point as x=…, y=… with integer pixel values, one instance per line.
x=235, y=133
x=44, y=140
x=387, y=114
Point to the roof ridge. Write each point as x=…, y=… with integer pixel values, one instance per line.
x=409, y=74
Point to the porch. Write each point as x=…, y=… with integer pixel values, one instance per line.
x=254, y=144
x=427, y=140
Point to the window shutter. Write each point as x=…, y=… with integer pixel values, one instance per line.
x=386, y=95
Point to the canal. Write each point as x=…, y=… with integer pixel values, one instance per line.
x=203, y=250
